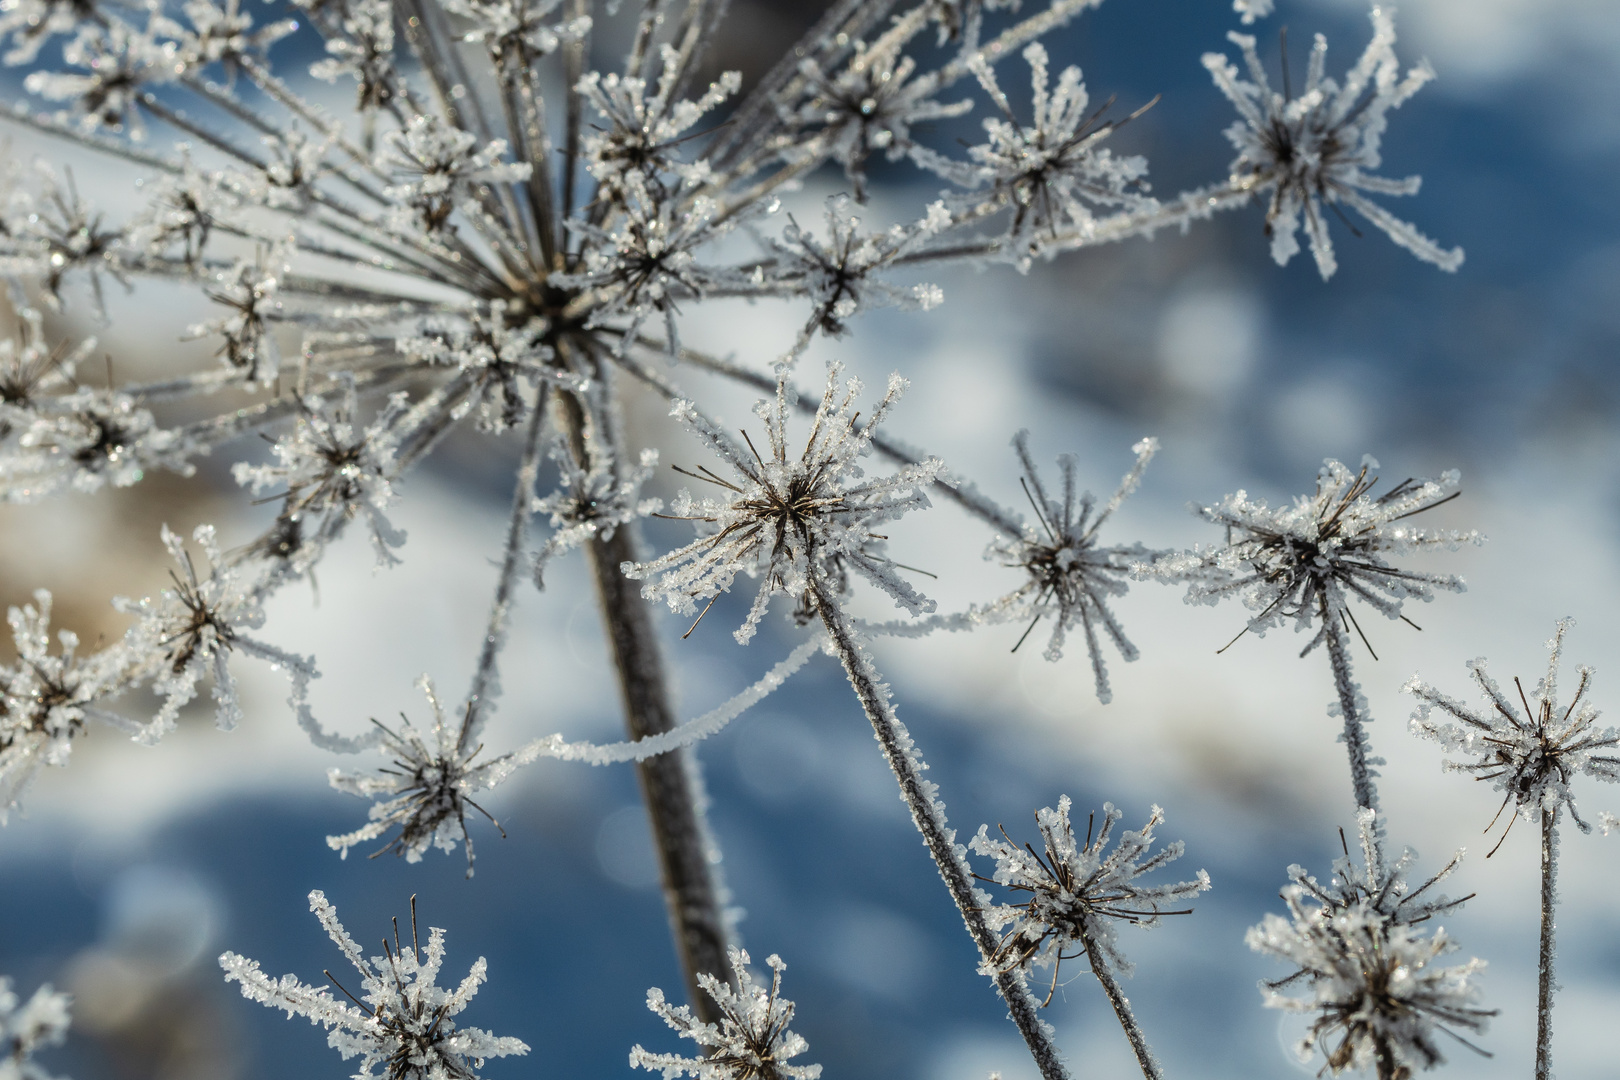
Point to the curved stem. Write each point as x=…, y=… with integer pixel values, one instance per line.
x=1549, y=874
x=1122, y=1008
x=671, y=786
x=929, y=815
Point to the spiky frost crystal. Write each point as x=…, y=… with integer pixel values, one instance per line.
x=1071, y=576
x=1315, y=152
x=1077, y=890
x=427, y=790
x=1531, y=748
x=751, y=1041
x=1305, y=561
x=1367, y=963
x=801, y=523
x=401, y=1025
x=39, y=1022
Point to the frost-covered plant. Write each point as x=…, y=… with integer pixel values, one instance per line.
x=401, y=1025
x=40, y=1021
x=1306, y=561
x=500, y=229
x=1367, y=964
x=751, y=1041
x=1077, y=890
x=1532, y=757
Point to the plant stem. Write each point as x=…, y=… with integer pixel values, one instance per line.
x=1355, y=732
x=1122, y=1007
x=929, y=815
x=1384, y=1060
x=671, y=786
x=1549, y=872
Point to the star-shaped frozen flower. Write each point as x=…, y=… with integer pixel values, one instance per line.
x=1531, y=755
x=334, y=470
x=1367, y=965
x=800, y=523
x=1077, y=892
x=248, y=291
x=590, y=504
x=751, y=1041
x=41, y=1021
x=841, y=273
x=1315, y=152
x=49, y=232
x=188, y=633
x=119, y=63
x=32, y=373
x=427, y=791
x=46, y=698
x=361, y=45
x=518, y=31
x=401, y=1025
x=86, y=440
x=1051, y=169
x=1070, y=576
x=31, y=23
x=1306, y=560
x=644, y=129
x=502, y=356
x=437, y=168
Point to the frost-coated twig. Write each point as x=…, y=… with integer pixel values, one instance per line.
x=485, y=684
x=1122, y=1009
x=929, y=815
x=1350, y=707
x=671, y=786
x=1546, y=984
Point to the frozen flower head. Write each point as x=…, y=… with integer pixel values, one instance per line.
x=1070, y=576
x=1077, y=891
x=591, y=503
x=1052, y=169
x=751, y=1041
x=248, y=292
x=399, y=1024
x=1368, y=966
x=1314, y=152
x=1305, y=561
x=436, y=168
x=45, y=698
x=330, y=469
x=86, y=440
x=31, y=372
x=1529, y=746
x=801, y=523
x=427, y=790
x=39, y=1022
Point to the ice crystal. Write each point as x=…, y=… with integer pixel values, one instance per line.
x=1078, y=890
x=331, y=469
x=401, y=1025
x=751, y=1041
x=800, y=523
x=1315, y=152
x=39, y=1022
x=1305, y=561
x=428, y=789
x=1530, y=756
x=1071, y=576
x=1368, y=967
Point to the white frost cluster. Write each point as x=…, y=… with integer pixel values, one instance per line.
x=1077, y=890
x=436, y=167
x=751, y=1041
x=1314, y=153
x=401, y=1025
x=1531, y=748
x=1306, y=560
x=1071, y=576
x=1367, y=958
x=800, y=523
x=39, y=1022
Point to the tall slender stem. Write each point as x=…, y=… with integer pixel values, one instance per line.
x=1355, y=731
x=671, y=786
x=1122, y=1008
x=929, y=815
x=1544, y=994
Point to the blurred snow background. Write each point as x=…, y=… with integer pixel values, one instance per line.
x=135, y=867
